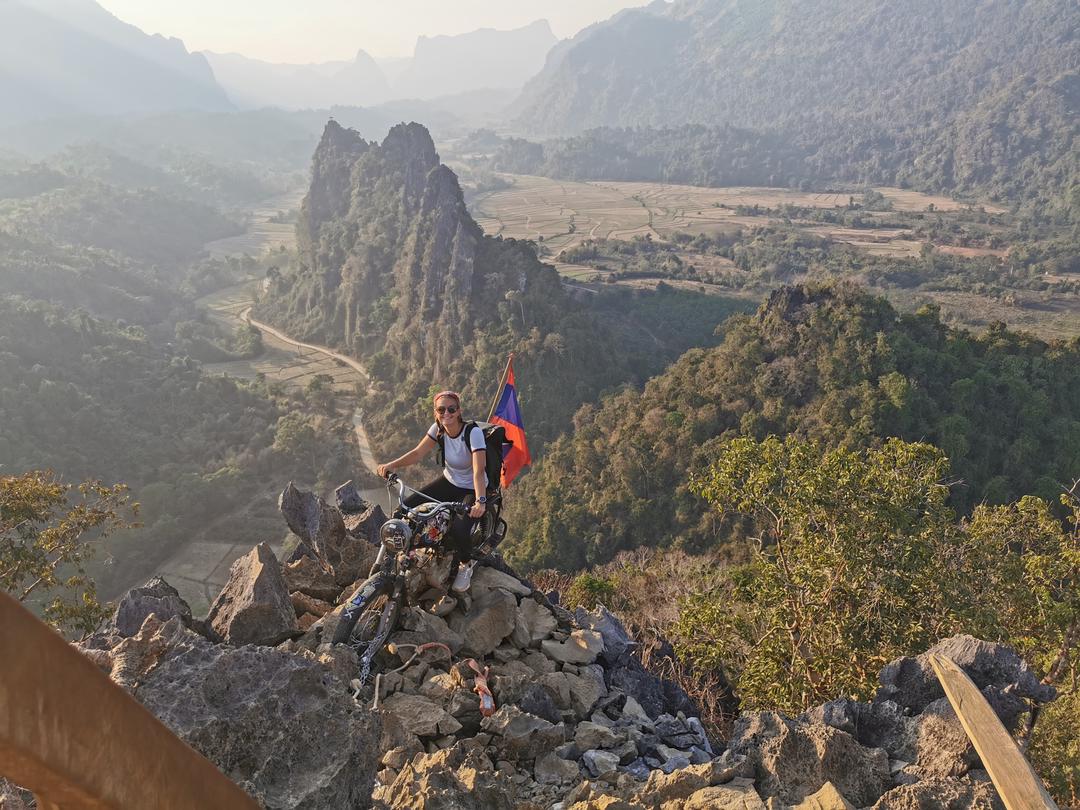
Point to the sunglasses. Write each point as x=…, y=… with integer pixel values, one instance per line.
x=450, y=409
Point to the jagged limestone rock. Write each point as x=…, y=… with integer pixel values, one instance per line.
x=420, y=715
x=421, y=627
x=322, y=528
x=946, y=793
x=261, y=715
x=310, y=576
x=617, y=642
x=254, y=606
x=457, y=778
x=485, y=578
x=793, y=760
x=534, y=623
x=489, y=621
x=582, y=647
x=828, y=798
x=1003, y=676
x=158, y=597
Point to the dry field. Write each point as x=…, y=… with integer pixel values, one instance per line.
x=562, y=214
x=262, y=234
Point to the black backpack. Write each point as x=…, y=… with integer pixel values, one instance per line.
x=496, y=442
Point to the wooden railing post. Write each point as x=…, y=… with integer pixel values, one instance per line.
x=78, y=741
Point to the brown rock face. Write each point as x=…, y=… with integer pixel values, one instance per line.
x=458, y=778
x=310, y=576
x=254, y=606
x=793, y=761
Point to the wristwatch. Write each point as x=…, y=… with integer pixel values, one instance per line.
x=482, y=499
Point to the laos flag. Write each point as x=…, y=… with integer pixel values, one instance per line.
x=508, y=414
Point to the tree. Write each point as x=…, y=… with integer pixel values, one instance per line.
x=46, y=534
x=859, y=560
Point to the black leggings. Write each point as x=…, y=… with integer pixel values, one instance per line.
x=460, y=532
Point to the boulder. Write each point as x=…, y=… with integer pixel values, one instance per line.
x=725, y=797
x=599, y=763
x=320, y=526
x=997, y=670
x=486, y=578
x=828, y=798
x=944, y=793
x=263, y=716
x=523, y=736
x=421, y=627
x=590, y=735
x=582, y=647
x=617, y=642
x=656, y=695
x=157, y=597
x=420, y=715
x=793, y=760
x=310, y=576
x=585, y=691
x=490, y=620
x=456, y=778
x=303, y=603
x=254, y=606
x=553, y=770
x=349, y=500
x=534, y=623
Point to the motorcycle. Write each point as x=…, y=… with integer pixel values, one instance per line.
x=412, y=565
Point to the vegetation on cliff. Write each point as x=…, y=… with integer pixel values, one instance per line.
x=831, y=364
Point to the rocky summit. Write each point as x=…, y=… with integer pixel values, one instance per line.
x=578, y=723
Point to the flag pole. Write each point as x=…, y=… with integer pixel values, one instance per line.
x=502, y=385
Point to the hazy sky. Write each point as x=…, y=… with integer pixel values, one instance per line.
x=324, y=30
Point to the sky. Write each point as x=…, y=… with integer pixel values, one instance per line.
x=328, y=30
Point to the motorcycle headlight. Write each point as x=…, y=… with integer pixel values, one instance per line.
x=395, y=535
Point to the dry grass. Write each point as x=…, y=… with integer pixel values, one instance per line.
x=562, y=214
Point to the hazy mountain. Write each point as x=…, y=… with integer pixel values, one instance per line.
x=962, y=94
x=445, y=65
x=66, y=57
x=252, y=83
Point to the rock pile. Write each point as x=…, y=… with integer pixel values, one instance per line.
x=578, y=723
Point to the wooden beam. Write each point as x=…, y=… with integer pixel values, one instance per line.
x=1016, y=781
x=77, y=740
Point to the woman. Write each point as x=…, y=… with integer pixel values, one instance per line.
x=464, y=475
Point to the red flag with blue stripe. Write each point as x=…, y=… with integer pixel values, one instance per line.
x=508, y=414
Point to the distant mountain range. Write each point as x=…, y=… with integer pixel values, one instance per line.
x=440, y=66
x=72, y=57
x=252, y=83
x=950, y=94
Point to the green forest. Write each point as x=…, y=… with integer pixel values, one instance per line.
x=101, y=352
x=829, y=363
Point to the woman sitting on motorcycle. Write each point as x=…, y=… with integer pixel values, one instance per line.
x=463, y=475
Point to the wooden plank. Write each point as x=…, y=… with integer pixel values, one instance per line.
x=1016, y=781
x=77, y=740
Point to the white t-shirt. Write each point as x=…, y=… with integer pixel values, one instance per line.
x=457, y=468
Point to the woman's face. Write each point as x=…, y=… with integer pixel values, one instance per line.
x=443, y=407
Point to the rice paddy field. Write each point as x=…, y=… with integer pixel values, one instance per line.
x=262, y=233
x=562, y=213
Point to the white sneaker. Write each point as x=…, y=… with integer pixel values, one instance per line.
x=464, y=578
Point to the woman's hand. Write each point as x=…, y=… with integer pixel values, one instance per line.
x=477, y=510
x=383, y=470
